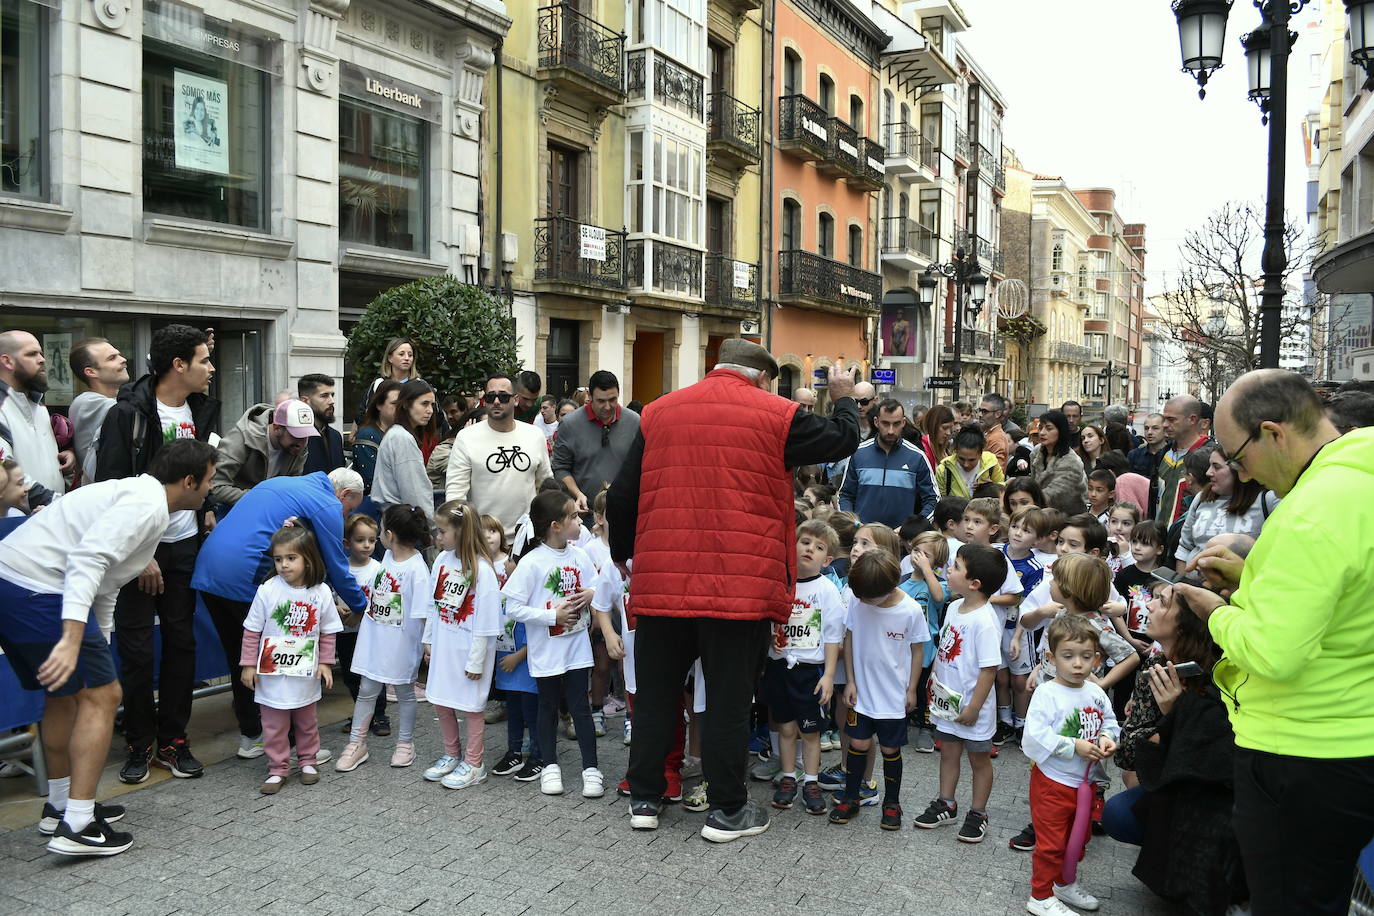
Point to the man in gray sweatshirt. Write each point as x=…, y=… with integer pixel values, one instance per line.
x=102, y=368
x=592, y=442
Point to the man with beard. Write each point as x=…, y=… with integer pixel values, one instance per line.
x=25, y=429
x=888, y=478
x=102, y=369
x=325, y=451
x=1073, y=412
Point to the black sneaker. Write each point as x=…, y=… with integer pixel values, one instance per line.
x=844, y=811
x=135, y=769
x=381, y=726
x=749, y=820
x=1004, y=732
x=644, y=815
x=98, y=839
x=937, y=814
x=177, y=757
x=892, y=817
x=47, y=825
x=507, y=764
x=974, y=829
x=1025, y=840
x=813, y=798
x=530, y=771
x=786, y=793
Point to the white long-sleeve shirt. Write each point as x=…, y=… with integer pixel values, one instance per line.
x=1058, y=716
x=88, y=544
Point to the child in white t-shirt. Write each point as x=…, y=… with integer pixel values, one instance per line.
x=549, y=592
x=460, y=642
x=1070, y=728
x=966, y=663
x=360, y=540
x=603, y=665
x=288, y=645
x=985, y=524
x=886, y=629
x=389, y=639
x=1121, y=520
x=800, y=677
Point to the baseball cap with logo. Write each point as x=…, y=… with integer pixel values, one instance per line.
x=297, y=417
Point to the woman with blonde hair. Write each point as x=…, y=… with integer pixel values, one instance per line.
x=398, y=365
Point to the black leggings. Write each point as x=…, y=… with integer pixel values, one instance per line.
x=572, y=686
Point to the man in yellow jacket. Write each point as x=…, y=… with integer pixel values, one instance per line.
x=961, y=473
x=1297, y=631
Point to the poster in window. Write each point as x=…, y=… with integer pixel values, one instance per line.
x=898, y=332
x=57, y=351
x=201, y=122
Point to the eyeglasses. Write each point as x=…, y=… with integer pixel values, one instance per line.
x=1233, y=462
x=491, y=397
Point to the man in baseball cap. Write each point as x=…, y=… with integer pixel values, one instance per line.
x=266, y=442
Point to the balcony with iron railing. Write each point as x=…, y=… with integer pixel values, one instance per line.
x=661, y=267
x=906, y=244
x=978, y=345
x=1000, y=184
x=815, y=281
x=732, y=135
x=871, y=158
x=961, y=148
x=578, y=258
x=675, y=86
x=984, y=162
x=583, y=57
x=1066, y=352
x=841, y=152
x=732, y=286
x=910, y=156
x=803, y=128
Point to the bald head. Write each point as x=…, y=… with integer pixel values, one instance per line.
x=864, y=391
x=11, y=342
x=1183, y=419
x=1272, y=423
x=805, y=397
x=1272, y=394
x=22, y=365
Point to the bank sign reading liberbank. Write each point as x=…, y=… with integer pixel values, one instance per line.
x=381, y=89
x=394, y=93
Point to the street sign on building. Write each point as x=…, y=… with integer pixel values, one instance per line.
x=940, y=381
x=884, y=376
x=820, y=377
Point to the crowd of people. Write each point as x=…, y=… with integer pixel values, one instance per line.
x=752, y=583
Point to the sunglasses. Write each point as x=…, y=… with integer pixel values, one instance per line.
x=864, y=402
x=491, y=397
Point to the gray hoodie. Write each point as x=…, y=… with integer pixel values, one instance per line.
x=244, y=458
x=87, y=413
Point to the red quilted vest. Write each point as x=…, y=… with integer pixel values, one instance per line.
x=717, y=532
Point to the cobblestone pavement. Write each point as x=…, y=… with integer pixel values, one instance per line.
x=383, y=841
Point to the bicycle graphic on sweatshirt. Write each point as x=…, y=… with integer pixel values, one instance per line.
x=512, y=456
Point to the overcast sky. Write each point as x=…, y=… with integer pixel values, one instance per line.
x=1095, y=94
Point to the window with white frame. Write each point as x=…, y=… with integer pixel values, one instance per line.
x=679, y=30
x=635, y=181
x=677, y=196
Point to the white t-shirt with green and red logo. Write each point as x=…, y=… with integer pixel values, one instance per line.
x=542, y=581
x=464, y=606
x=291, y=621
x=177, y=423
x=1058, y=716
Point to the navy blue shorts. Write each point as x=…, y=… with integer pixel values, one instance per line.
x=31, y=624
x=890, y=732
x=790, y=694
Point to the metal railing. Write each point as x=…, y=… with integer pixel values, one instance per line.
x=905, y=141
x=843, y=147
x=803, y=122
x=570, y=251
x=871, y=156
x=731, y=283
x=733, y=122
x=902, y=233
x=813, y=276
x=1070, y=352
x=568, y=38
x=674, y=85
x=986, y=163
x=676, y=269
x=1001, y=182
x=961, y=143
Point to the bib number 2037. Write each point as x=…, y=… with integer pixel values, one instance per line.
x=293, y=656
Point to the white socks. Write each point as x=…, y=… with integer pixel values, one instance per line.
x=80, y=813
x=58, y=790
x=773, y=739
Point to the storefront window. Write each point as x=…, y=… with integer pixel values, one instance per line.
x=57, y=334
x=205, y=118
x=23, y=72
x=383, y=164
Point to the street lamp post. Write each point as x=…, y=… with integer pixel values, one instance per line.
x=970, y=292
x=1107, y=375
x=1202, y=32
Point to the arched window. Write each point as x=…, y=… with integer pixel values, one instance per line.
x=791, y=72
x=825, y=235
x=856, y=246
x=787, y=381
x=856, y=114
x=791, y=225
x=903, y=205
x=1057, y=258
x=827, y=99
x=906, y=115
x=887, y=118
x=887, y=201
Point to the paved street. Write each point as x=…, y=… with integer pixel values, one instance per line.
x=384, y=841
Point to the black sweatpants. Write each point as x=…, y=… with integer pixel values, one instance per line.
x=732, y=654
x=229, y=616
x=164, y=720
x=571, y=687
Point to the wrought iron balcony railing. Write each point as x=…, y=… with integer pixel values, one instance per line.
x=871, y=156
x=803, y=127
x=1070, y=352
x=733, y=124
x=985, y=162
x=569, y=251
x=674, y=85
x=961, y=144
x=812, y=277
x=1001, y=182
x=670, y=268
x=979, y=343
x=571, y=39
x=902, y=234
x=906, y=142
x=732, y=284
x=843, y=149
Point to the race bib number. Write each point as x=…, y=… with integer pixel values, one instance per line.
x=802, y=631
x=506, y=641
x=944, y=703
x=581, y=623
x=386, y=609
x=293, y=656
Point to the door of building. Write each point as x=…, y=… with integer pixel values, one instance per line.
x=648, y=366
x=563, y=374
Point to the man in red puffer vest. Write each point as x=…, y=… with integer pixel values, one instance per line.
x=704, y=504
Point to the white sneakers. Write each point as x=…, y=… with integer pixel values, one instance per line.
x=593, y=783
x=1050, y=906
x=463, y=776
x=1067, y=893
x=551, y=780
x=442, y=767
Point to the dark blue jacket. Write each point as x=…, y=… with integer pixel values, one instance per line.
x=888, y=487
x=235, y=559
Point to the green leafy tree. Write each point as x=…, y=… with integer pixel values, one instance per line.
x=462, y=333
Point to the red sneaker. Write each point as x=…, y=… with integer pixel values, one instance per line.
x=673, y=793
x=623, y=790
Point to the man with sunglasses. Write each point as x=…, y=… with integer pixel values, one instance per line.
x=592, y=442
x=499, y=464
x=1297, y=627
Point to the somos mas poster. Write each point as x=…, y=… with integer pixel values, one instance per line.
x=201, y=105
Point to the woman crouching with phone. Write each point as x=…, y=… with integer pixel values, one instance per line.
x=1176, y=754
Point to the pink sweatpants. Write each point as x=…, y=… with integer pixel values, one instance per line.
x=276, y=729
x=477, y=733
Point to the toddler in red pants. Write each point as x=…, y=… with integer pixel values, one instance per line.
x=1070, y=726
x=288, y=645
